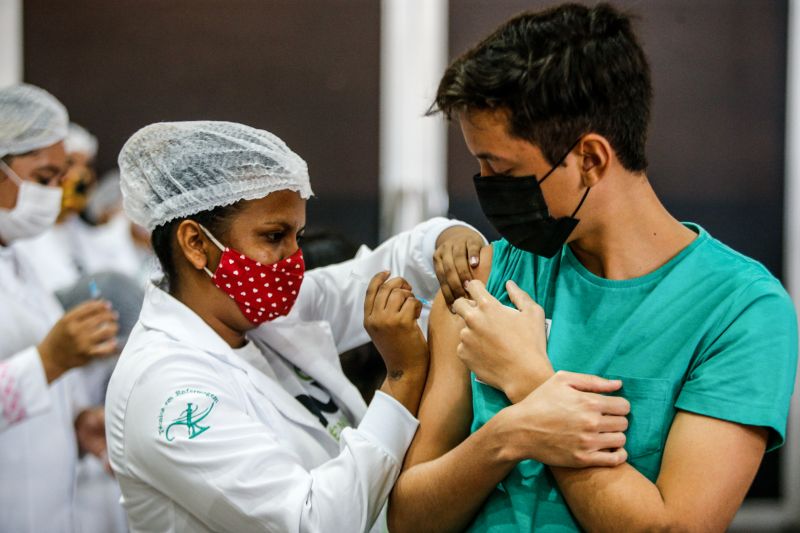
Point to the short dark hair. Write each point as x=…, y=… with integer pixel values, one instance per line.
x=560, y=74
x=163, y=237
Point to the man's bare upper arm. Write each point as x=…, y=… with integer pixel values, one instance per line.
x=445, y=413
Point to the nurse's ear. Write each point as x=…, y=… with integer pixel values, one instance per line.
x=195, y=247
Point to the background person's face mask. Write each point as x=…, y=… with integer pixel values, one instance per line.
x=516, y=208
x=262, y=292
x=35, y=212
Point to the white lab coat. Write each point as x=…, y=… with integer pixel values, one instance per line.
x=38, y=450
x=263, y=462
x=65, y=252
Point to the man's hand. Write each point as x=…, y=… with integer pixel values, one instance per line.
x=505, y=348
x=84, y=333
x=458, y=251
x=568, y=422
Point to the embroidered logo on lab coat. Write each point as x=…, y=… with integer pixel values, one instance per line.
x=185, y=414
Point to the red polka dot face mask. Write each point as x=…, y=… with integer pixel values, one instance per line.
x=262, y=292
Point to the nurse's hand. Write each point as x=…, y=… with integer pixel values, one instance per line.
x=84, y=333
x=91, y=434
x=505, y=348
x=458, y=251
x=390, y=317
x=568, y=421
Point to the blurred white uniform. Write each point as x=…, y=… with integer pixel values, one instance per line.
x=38, y=449
x=261, y=461
x=74, y=248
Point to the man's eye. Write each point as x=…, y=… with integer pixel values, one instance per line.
x=274, y=237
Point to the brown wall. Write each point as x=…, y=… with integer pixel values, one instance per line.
x=306, y=70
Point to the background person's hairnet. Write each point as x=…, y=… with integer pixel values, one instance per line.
x=30, y=119
x=172, y=170
x=105, y=199
x=79, y=140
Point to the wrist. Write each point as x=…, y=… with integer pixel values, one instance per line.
x=52, y=370
x=406, y=376
x=503, y=432
x=525, y=381
x=405, y=386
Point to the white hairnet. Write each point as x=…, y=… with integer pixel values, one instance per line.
x=80, y=140
x=106, y=198
x=173, y=170
x=30, y=119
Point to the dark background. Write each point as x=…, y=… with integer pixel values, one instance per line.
x=308, y=70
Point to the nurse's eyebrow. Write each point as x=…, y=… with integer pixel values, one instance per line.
x=286, y=226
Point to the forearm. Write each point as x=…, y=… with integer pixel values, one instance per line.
x=445, y=494
x=405, y=387
x=614, y=499
x=24, y=388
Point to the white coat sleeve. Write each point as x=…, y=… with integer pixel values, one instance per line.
x=23, y=388
x=336, y=293
x=235, y=473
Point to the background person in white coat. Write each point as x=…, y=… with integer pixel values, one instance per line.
x=40, y=401
x=223, y=414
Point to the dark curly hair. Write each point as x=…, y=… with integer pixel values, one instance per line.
x=164, y=240
x=560, y=73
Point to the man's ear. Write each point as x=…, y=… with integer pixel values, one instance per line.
x=193, y=245
x=595, y=155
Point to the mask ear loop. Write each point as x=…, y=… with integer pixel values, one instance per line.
x=216, y=243
x=10, y=173
x=581, y=202
x=558, y=163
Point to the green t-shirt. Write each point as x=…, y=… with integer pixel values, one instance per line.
x=711, y=332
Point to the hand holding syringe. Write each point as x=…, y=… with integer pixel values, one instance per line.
x=391, y=314
x=85, y=332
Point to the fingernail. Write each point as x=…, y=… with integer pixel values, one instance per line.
x=466, y=282
x=473, y=261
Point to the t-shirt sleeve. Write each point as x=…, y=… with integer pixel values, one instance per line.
x=746, y=374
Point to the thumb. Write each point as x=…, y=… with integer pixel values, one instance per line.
x=520, y=298
x=590, y=383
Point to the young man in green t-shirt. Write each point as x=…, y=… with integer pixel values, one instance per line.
x=555, y=107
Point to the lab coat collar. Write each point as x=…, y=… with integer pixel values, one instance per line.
x=162, y=312
x=310, y=347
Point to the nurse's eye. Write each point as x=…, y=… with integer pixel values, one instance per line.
x=275, y=236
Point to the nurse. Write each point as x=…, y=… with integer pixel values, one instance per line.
x=228, y=409
x=41, y=401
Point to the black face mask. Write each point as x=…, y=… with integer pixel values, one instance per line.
x=516, y=208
